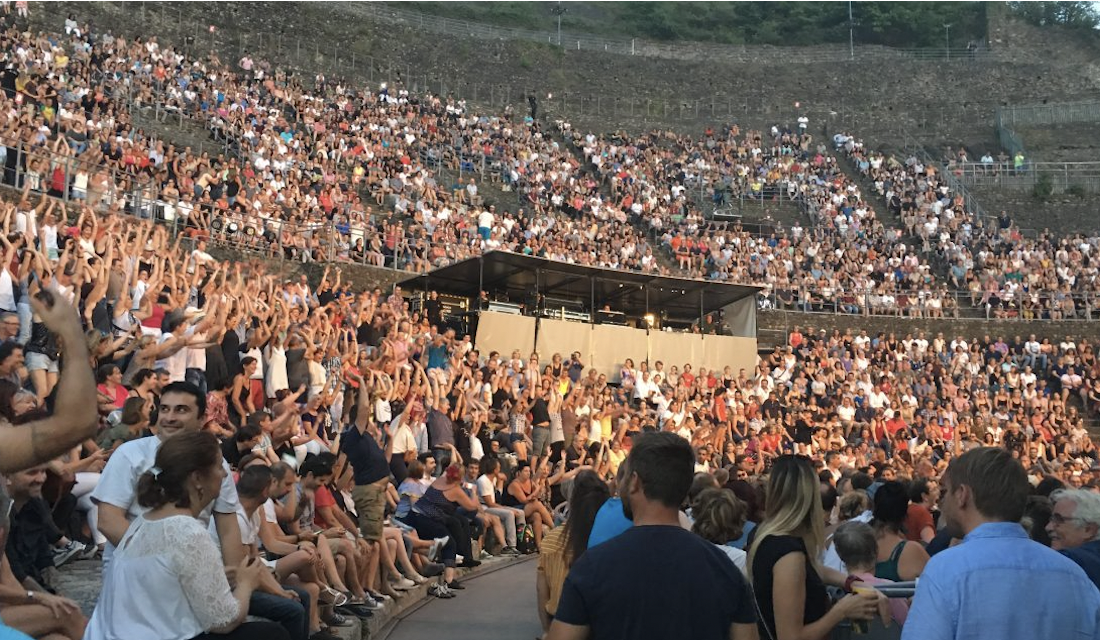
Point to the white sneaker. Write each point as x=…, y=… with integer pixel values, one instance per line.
x=437, y=547
x=485, y=555
x=403, y=584
x=440, y=590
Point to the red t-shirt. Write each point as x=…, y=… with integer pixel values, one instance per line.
x=916, y=519
x=322, y=497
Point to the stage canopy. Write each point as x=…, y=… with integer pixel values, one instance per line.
x=635, y=294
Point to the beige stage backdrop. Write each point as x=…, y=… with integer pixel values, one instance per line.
x=504, y=332
x=675, y=349
x=560, y=336
x=728, y=351
x=605, y=347
x=612, y=345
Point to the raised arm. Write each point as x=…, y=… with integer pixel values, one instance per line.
x=75, y=418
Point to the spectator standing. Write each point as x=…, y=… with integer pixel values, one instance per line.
x=719, y=516
x=963, y=590
x=655, y=580
x=899, y=559
x=919, y=523
x=369, y=458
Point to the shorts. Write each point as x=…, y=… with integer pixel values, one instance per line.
x=40, y=362
x=540, y=440
x=370, y=504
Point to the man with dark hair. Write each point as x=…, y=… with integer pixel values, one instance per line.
x=34, y=612
x=655, y=580
x=286, y=605
x=861, y=481
x=920, y=525
x=963, y=590
x=182, y=408
x=11, y=360
x=241, y=444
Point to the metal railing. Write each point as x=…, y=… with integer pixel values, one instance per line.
x=971, y=204
x=938, y=303
x=1047, y=114
x=1060, y=177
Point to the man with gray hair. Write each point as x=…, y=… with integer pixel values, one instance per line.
x=9, y=327
x=1074, y=528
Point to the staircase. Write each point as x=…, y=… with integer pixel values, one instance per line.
x=663, y=258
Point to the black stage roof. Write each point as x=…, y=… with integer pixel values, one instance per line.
x=519, y=277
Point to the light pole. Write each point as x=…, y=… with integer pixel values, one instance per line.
x=559, y=11
x=851, y=33
x=947, y=40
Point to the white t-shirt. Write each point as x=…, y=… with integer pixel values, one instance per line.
x=249, y=525
x=175, y=364
x=737, y=556
x=485, y=488
x=118, y=482
x=485, y=219
x=403, y=440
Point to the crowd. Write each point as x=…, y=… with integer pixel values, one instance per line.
x=240, y=444
x=323, y=170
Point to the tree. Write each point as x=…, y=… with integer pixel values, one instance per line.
x=1067, y=14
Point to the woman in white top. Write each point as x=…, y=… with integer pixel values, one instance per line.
x=166, y=580
x=47, y=236
x=275, y=359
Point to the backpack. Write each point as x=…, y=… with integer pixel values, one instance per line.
x=525, y=540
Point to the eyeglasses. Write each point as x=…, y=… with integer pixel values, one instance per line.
x=1058, y=518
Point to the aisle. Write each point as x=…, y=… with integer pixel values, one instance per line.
x=498, y=605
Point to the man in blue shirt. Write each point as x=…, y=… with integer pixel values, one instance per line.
x=1074, y=529
x=997, y=583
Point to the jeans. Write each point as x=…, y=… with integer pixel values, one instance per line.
x=430, y=528
x=511, y=519
x=290, y=614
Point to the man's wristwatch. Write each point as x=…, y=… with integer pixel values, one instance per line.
x=30, y=596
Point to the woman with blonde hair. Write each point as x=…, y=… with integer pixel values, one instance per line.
x=786, y=575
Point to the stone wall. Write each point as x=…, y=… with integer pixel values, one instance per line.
x=363, y=278
x=1061, y=213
